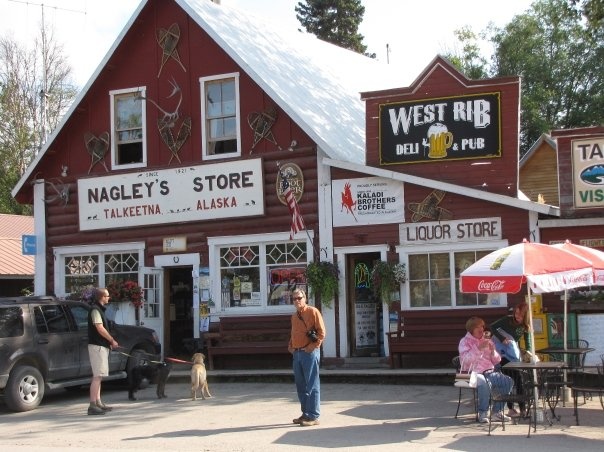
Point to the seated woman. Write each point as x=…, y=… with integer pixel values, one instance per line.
x=477, y=353
x=512, y=328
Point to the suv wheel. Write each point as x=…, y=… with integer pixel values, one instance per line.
x=25, y=389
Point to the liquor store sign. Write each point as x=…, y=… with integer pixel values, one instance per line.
x=193, y=193
x=449, y=128
x=470, y=230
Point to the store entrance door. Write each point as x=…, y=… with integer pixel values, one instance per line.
x=364, y=309
x=180, y=290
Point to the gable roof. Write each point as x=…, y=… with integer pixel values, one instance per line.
x=316, y=83
x=544, y=138
x=12, y=262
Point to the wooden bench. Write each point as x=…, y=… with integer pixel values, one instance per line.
x=249, y=335
x=422, y=332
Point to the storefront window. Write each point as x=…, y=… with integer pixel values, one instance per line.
x=261, y=275
x=120, y=267
x=99, y=270
x=81, y=271
x=430, y=277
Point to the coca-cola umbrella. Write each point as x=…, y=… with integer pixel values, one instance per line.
x=543, y=268
x=596, y=258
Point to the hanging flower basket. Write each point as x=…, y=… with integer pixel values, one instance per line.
x=126, y=291
x=386, y=278
x=322, y=280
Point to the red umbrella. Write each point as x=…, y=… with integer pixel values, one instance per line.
x=543, y=267
x=596, y=258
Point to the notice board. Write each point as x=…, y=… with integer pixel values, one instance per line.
x=591, y=328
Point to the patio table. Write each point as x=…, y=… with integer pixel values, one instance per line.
x=540, y=370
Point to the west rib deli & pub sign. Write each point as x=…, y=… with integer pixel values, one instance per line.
x=446, y=128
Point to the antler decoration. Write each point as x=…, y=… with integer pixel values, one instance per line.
x=168, y=40
x=261, y=124
x=167, y=123
x=97, y=148
x=61, y=192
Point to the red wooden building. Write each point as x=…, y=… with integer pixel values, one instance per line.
x=168, y=170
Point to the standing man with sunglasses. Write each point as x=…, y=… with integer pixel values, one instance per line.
x=308, y=332
x=100, y=342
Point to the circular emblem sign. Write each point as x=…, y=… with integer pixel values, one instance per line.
x=290, y=177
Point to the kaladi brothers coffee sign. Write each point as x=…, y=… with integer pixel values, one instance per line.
x=449, y=128
x=368, y=200
x=195, y=193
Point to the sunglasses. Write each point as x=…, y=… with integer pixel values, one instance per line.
x=298, y=298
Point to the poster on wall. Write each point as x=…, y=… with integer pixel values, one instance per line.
x=366, y=324
x=282, y=281
x=447, y=128
x=588, y=172
x=367, y=200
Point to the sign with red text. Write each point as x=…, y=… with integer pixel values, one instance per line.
x=176, y=195
x=470, y=230
x=367, y=200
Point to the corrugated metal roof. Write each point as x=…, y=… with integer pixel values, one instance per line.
x=12, y=262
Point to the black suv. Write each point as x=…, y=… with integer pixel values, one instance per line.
x=44, y=344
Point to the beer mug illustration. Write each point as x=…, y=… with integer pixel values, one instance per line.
x=440, y=139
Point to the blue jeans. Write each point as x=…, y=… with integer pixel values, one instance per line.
x=505, y=385
x=306, y=376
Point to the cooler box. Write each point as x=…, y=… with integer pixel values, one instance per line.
x=536, y=303
x=540, y=332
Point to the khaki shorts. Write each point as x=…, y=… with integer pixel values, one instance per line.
x=99, y=360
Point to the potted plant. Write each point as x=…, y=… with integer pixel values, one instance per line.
x=322, y=281
x=126, y=291
x=386, y=278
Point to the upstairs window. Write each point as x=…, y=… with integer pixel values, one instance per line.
x=128, y=120
x=220, y=113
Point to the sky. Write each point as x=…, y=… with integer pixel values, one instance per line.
x=413, y=32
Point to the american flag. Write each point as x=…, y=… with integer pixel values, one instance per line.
x=294, y=210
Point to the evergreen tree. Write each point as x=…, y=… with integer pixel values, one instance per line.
x=334, y=21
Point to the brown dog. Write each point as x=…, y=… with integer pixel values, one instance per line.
x=199, y=380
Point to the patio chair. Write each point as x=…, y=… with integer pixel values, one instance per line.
x=497, y=381
x=577, y=361
x=588, y=383
x=464, y=385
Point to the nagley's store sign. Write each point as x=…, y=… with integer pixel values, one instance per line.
x=449, y=128
x=195, y=193
x=470, y=230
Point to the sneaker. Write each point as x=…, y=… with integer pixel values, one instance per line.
x=103, y=407
x=299, y=420
x=94, y=410
x=309, y=422
x=513, y=413
x=502, y=417
x=483, y=417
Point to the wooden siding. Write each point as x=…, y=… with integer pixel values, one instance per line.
x=539, y=175
x=514, y=222
x=136, y=63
